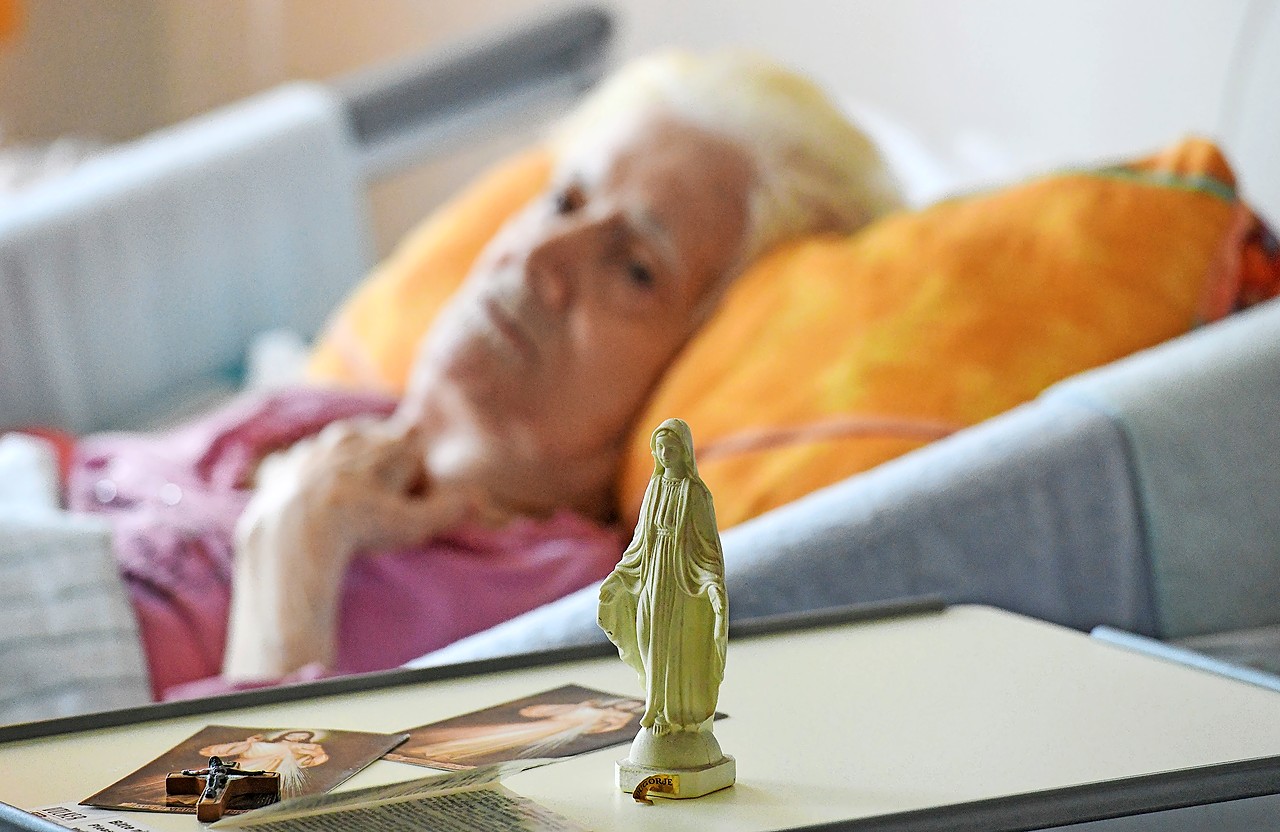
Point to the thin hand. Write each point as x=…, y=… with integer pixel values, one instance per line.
x=361, y=482
x=355, y=486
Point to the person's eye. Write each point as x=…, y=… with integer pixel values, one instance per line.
x=639, y=274
x=569, y=199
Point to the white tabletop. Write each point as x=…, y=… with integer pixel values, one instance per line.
x=842, y=722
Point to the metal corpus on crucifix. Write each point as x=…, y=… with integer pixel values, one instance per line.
x=219, y=784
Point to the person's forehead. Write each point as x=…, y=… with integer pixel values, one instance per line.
x=669, y=151
x=655, y=147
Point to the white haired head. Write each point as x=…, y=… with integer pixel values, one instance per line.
x=815, y=170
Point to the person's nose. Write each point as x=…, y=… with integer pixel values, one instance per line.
x=548, y=283
x=556, y=261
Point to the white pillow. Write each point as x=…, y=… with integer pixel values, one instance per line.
x=971, y=160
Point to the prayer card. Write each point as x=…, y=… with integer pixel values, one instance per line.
x=555, y=724
x=308, y=760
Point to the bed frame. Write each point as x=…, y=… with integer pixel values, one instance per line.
x=134, y=285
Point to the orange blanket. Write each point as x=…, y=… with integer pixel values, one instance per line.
x=832, y=355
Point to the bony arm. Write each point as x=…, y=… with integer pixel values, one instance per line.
x=284, y=597
x=358, y=485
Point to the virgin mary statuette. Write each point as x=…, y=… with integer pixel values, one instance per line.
x=665, y=608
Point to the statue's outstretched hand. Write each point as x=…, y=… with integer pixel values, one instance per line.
x=720, y=609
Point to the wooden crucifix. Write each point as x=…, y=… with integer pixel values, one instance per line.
x=218, y=784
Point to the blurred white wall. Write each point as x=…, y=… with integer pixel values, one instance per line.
x=992, y=87
x=1016, y=84
x=114, y=69
x=88, y=69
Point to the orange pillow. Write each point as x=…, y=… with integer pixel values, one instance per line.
x=835, y=354
x=372, y=339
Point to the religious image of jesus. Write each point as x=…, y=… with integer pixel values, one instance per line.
x=289, y=753
x=554, y=724
x=546, y=729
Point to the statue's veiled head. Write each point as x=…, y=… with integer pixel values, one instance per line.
x=672, y=447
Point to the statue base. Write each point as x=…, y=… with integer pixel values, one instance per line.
x=681, y=764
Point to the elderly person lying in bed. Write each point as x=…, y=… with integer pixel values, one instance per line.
x=487, y=489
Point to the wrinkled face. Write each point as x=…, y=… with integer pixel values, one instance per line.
x=576, y=307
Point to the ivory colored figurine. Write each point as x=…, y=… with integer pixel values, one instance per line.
x=665, y=608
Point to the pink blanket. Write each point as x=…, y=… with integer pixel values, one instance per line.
x=174, y=498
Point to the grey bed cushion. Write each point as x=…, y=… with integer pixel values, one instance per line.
x=1032, y=511
x=1201, y=414
x=146, y=271
x=70, y=642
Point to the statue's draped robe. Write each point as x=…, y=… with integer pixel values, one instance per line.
x=656, y=605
